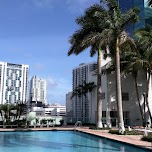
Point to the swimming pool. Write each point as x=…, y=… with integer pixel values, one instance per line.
x=59, y=141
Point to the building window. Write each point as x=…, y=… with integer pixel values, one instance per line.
x=125, y=96
x=104, y=114
x=126, y=114
x=113, y=114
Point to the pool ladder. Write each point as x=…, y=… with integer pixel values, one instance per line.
x=78, y=124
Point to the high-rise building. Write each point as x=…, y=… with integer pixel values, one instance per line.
x=128, y=4
x=85, y=108
x=38, y=90
x=13, y=82
x=69, y=104
x=80, y=104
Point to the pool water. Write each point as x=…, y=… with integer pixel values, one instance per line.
x=59, y=141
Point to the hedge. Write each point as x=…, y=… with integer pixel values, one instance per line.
x=147, y=138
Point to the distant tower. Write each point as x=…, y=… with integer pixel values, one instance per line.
x=80, y=105
x=13, y=82
x=38, y=91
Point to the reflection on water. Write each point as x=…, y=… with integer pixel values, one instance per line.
x=59, y=141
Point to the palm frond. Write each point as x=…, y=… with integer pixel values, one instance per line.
x=149, y=3
x=131, y=16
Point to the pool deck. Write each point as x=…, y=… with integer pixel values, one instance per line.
x=134, y=140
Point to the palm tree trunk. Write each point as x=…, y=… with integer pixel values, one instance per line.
x=147, y=93
x=137, y=94
x=91, y=108
x=1, y=115
x=118, y=89
x=99, y=91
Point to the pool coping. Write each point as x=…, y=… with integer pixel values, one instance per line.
x=133, y=140
x=120, y=138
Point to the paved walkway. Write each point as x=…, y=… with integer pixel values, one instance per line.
x=129, y=139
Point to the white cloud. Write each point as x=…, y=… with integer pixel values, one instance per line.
x=57, y=89
x=43, y=3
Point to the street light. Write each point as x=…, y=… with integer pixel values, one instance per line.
x=144, y=123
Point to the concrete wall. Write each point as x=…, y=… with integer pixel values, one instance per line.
x=109, y=102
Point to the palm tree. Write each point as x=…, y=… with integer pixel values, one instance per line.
x=149, y=3
x=102, y=27
x=89, y=35
x=1, y=112
x=20, y=108
x=131, y=64
x=115, y=33
x=5, y=110
x=83, y=90
x=145, y=38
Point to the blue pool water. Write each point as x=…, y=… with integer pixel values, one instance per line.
x=59, y=141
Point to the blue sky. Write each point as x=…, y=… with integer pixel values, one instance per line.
x=36, y=32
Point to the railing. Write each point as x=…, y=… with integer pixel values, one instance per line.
x=78, y=124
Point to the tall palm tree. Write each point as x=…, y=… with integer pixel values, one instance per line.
x=89, y=35
x=130, y=65
x=100, y=27
x=144, y=36
x=83, y=90
x=117, y=37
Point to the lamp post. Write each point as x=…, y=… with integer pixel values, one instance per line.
x=144, y=95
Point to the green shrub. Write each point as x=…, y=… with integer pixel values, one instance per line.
x=147, y=138
x=96, y=128
x=127, y=132
x=114, y=132
x=132, y=132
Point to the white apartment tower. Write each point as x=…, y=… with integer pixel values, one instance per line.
x=85, y=109
x=13, y=82
x=80, y=105
x=38, y=90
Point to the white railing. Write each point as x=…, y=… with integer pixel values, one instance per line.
x=78, y=124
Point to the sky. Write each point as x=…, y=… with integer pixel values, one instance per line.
x=36, y=33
